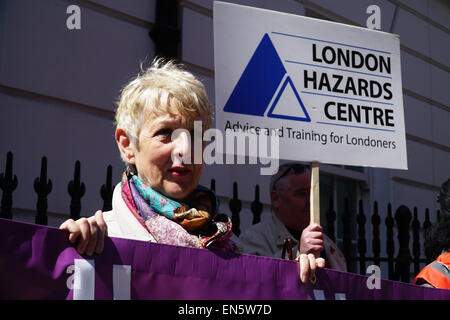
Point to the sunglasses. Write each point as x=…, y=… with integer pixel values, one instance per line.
x=297, y=167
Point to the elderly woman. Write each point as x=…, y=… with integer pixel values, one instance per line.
x=159, y=198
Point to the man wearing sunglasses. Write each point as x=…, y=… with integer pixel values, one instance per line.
x=289, y=224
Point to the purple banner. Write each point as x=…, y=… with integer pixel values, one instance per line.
x=38, y=262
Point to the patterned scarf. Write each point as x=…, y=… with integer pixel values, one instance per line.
x=193, y=224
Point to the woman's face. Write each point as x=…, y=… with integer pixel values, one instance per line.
x=159, y=156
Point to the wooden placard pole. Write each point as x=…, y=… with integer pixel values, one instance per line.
x=314, y=195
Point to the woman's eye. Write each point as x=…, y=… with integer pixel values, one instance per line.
x=163, y=132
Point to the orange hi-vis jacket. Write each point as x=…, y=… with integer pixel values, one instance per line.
x=437, y=273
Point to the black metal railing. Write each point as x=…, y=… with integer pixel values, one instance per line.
x=43, y=187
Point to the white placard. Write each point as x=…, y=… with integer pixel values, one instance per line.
x=332, y=93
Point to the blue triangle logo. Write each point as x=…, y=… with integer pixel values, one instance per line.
x=258, y=84
x=274, y=112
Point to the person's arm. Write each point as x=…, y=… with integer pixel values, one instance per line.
x=90, y=233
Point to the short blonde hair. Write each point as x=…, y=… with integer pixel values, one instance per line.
x=159, y=89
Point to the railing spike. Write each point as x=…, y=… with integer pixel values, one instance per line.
x=42, y=187
x=76, y=191
x=403, y=218
x=8, y=183
x=106, y=190
x=256, y=207
x=235, y=207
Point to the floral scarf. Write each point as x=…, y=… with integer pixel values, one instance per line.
x=193, y=224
